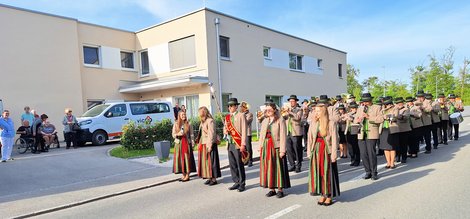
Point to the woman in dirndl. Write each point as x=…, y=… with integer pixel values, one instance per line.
x=322, y=151
x=273, y=164
x=208, y=162
x=183, y=159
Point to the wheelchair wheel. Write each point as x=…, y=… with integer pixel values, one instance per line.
x=56, y=143
x=21, y=145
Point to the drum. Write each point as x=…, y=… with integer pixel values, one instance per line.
x=456, y=118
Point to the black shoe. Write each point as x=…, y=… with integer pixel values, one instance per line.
x=456, y=139
x=297, y=170
x=235, y=186
x=403, y=161
x=279, y=194
x=250, y=164
x=393, y=167
x=207, y=182
x=271, y=193
x=3, y=161
x=387, y=167
x=435, y=147
x=398, y=159
x=241, y=188
x=213, y=183
x=67, y=148
x=427, y=152
x=356, y=164
x=291, y=169
x=445, y=143
x=368, y=176
x=352, y=164
x=375, y=177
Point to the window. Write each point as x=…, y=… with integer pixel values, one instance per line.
x=149, y=108
x=320, y=63
x=224, y=47
x=93, y=103
x=144, y=63
x=191, y=103
x=116, y=111
x=267, y=52
x=277, y=99
x=127, y=60
x=340, y=70
x=182, y=53
x=295, y=61
x=225, y=98
x=91, y=55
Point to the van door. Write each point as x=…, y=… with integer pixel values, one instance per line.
x=116, y=117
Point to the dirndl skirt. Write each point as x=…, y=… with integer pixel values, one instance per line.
x=183, y=159
x=208, y=163
x=273, y=169
x=323, y=176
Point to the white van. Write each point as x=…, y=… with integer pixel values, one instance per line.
x=104, y=122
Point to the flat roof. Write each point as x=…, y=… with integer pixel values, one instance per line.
x=168, y=21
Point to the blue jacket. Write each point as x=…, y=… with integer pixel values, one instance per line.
x=8, y=129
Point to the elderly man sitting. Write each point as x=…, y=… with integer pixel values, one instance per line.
x=48, y=132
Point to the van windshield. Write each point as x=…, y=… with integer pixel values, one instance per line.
x=96, y=110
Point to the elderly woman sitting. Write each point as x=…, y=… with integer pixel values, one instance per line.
x=48, y=132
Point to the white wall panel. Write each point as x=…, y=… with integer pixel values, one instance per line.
x=159, y=59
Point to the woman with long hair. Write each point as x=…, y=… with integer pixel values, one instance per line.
x=183, y=159
x=322, y=151
x=208, y=162
x=274, y=172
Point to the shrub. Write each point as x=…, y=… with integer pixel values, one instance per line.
x=142, y=136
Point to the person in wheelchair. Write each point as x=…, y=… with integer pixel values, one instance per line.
x=48, y=132
x=39, y=144
x=25, y=132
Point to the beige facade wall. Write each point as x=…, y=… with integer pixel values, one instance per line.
x=39, y=64
x=246, y=77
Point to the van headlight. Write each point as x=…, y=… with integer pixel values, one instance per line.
x=86, y=122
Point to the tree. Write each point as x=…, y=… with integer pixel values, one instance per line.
x=353, y=84
x=373, y=86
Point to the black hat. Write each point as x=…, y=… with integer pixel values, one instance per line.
x=339, y=97
x=379, y=102
x=420, y=93
x=388, y=101
x=269, y=101
x=313, y=103
x=441, y=95
x=341, y=106
x=352, y=96
x=293, y=97
x=399, y=100
x=324, y=99
x=305, y=101
x=451, y=96
x=233, y=101
x=428, y=96
x=409, y=99
x=353, y=105
x=366, y=97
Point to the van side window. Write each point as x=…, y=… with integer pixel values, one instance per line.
x=116, y=111
x=149, y=108
x=163, y=108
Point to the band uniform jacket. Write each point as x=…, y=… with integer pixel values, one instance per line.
x=444, y=111
x=436, y=109
x=390, y=115
x=249, y=121
x=403, y=117
x=458, y=106
x=295, y=115
x=239, y=124
x=278, y=133
x=415, y=117
x=342, y=123
x=331, y=137
x=375, y=120
x=426, y=108
x=208, y=134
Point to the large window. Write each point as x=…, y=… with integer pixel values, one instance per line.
x=127, y=60
x=116, y=111
x=182, y=53
x=295, y=61
x=224, y=47
x=91, y=55
x=277, y=99
x=191, y=103
x=225, y=98
x=267, y=52
x=149, y=108
x=340, y=70
x=144, y=63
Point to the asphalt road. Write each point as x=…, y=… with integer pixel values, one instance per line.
x=431, y=186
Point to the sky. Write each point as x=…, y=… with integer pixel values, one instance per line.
x=383, y=38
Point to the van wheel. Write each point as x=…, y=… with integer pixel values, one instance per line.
x=99, y=138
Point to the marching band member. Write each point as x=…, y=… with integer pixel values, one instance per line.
x=235, y=130
x=416, y=125
x=322, y=151
x=293, y=117
x=379, y=151
x=273, y=164
x=436, y=121
x=426, y=108
x=454, y=107
x=444, y=116
x=341, y=131
x=332, y=112
x=404, y=128
x=389, y=139
x=183, y=159
x=208, y=162
x=244, y=108
x=351, y=135
x=370, y=117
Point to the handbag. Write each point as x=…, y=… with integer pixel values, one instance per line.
x=76, y=127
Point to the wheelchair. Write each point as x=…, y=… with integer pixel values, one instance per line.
x=24, y=144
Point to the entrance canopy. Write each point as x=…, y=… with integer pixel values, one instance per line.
x=162, y=84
